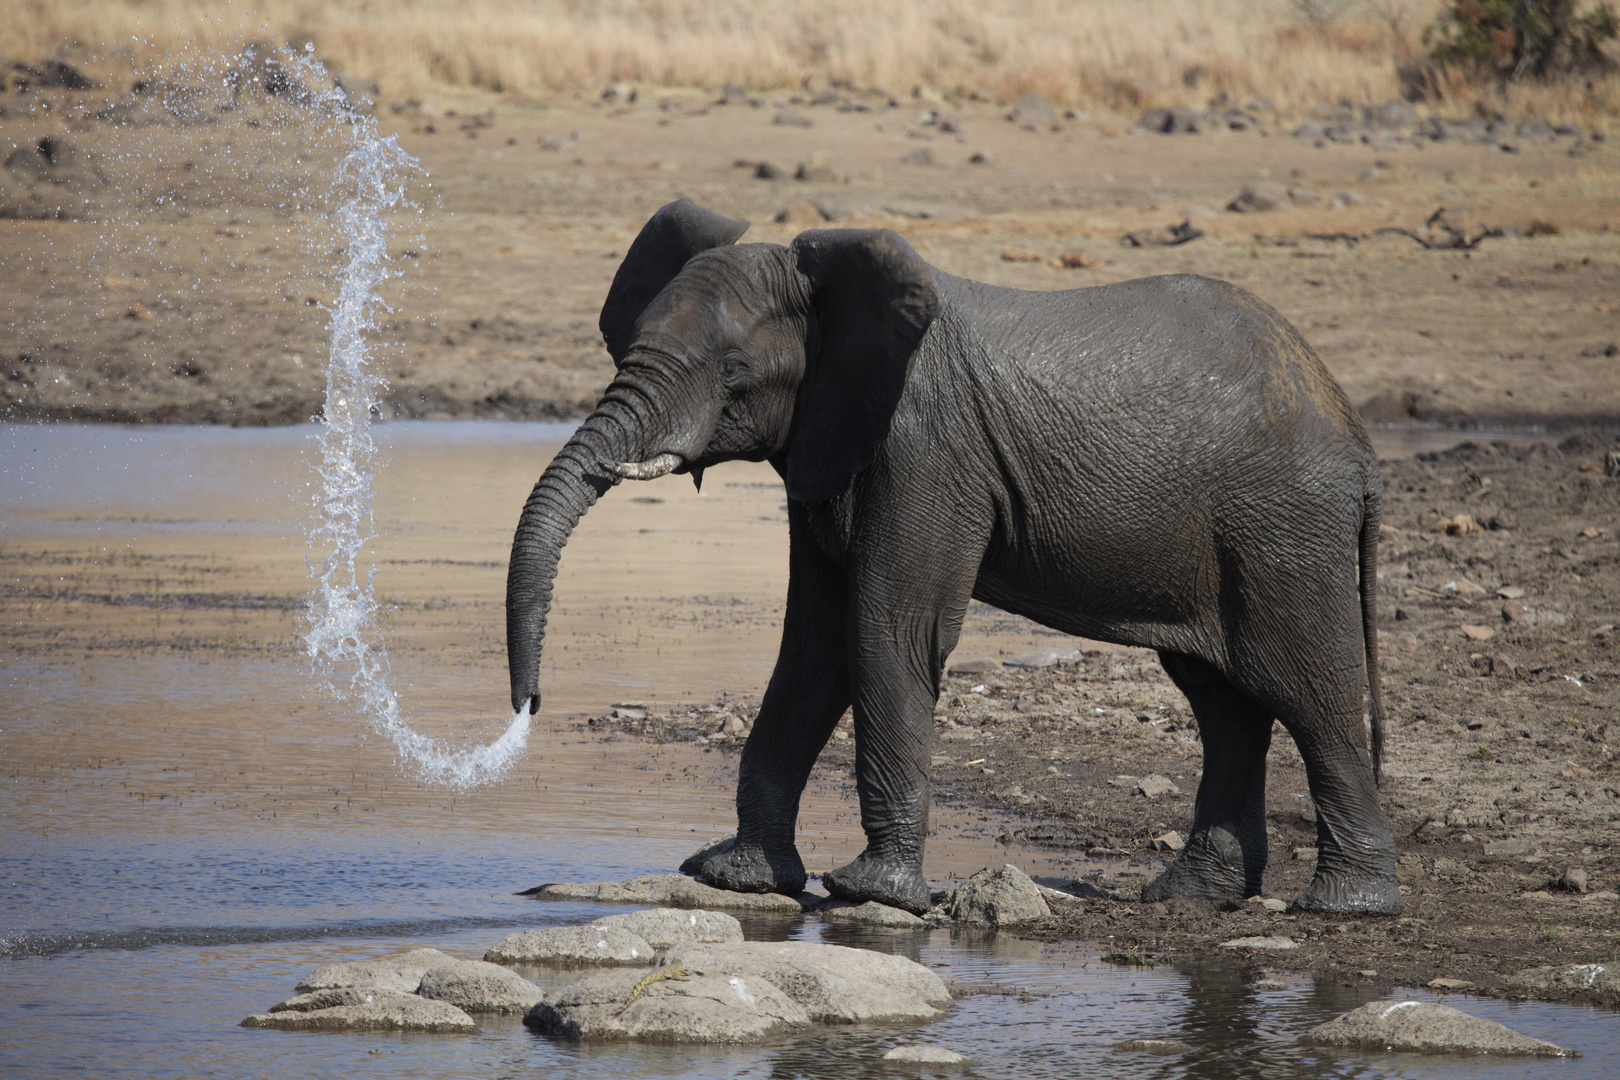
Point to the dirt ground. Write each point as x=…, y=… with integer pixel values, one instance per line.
x=1501, y=771
x=189, y=273
x=172, y=289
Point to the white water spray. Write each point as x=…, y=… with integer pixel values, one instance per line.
x=341, y=624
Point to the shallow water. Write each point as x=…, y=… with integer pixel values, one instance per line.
x=188, y=827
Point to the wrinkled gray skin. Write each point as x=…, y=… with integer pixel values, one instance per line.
x=1160, y=463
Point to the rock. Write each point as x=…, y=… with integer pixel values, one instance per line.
x=1475, y=632
x=1170, y=841
x=920, y=156
x=1168, y=236
x=1445, y=985
x=1391, y=116
x=927, y=1055
x=833, y=984
x=792, y=118
x=573, y=945
x=51, y=74
x=1433, y=1029
x=1573, y=880
x=1043, y=658
x=1310, y=131
x=1034, y=112
x=1259, y=197
x=815, y=169
x=1303, y=197
x=1266, y=903
x=1508, y=847
x=1260, y=943
x=1154, y=786
x=385, y=1011
x=1510, y=592
x=1604, y=978
x=669, y=890
x=803, y=215
x=663, y=928
x=668, y=1004
x=770, y=170
x=1075, y=260
x=399, y=974
x=1514, y=612
x=870, y=913
x=978, y=667
x=1305, y=854
x=1154, y=1046
x=476, y=986
x=1004, y=897
x=328, y=999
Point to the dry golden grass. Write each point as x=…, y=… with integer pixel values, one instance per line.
x=1087, y=53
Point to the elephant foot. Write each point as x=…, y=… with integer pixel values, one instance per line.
x=1351, y=894
x=870, y=877
x=738, y=866
x=1211, y=868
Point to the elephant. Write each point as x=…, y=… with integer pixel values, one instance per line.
x=1162, y=463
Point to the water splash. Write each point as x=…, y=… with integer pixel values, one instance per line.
x=341, y=625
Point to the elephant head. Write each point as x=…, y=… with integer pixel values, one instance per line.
x=796, y=355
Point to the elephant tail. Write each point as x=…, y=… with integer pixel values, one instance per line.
x=1371, y=516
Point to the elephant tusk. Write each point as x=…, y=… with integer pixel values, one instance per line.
x=651, y=469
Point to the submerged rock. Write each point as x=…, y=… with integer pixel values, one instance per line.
x=669, y=890
x=680, y=1007
x=399, y=974
x=1004, y=897
x=665, y=927
x=926, y=1055
x=870, y=913
x=573, y=945
x=476, y=986
x=834, y=984
x=1154, y=1046
x=379, y=1011
x=1430, y=1029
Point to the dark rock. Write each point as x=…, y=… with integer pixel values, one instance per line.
x=1154, y=1046
x=50, y=75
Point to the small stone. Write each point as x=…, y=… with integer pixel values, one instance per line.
x=1573, y=880
x=1448, y=984
x=920, y=156
x=1260, y=943
x=792, y=118
x=1170, y=841
x=1510, y=592
x=1266, y=903
x=1305, y=854
x=1001, y=897
x=1034, y=112
x=1368, y=973
x=1043, y=658
x=1477, y=633
x=1418, y=1027
x=1513, y=612
x=1154, y=1046
x=803, y=215
x=1154, y=786
x=1076, y=260
x=815, y=169
x=929, y=1055
x=1259, y=197
x=1508, y=847
x=978, y=667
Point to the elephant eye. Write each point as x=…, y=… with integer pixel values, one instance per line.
x=733, y=368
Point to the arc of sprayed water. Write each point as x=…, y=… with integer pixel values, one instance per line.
x=341, y=625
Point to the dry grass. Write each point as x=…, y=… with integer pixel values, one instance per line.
x=1086, y=53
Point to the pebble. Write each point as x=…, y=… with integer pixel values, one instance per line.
x=1260, y=943
x=1154, y=786
x=928, y=1055
x=1154, y=1046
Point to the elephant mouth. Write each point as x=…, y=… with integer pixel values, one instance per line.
x=651, y=469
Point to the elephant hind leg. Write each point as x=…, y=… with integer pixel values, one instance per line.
x=1225, y=855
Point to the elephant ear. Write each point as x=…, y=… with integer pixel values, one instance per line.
x=673, y=235
x=873, y=300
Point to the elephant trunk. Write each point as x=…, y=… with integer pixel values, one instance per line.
x=580, y=473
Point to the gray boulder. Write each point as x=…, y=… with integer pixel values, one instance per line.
x=327, y=999
x=870, y=913
x=670, y=890
x=665, y=927
x=1428, y=1029
x=381, y=1011
x=398, y=974
x=476, y=986
x=1004, y=897
x=1034, y=112
x=679, y=1007
x=572, y=946
x=833, y=984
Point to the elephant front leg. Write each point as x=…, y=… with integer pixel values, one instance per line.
x=808, y=692
x=897, y=665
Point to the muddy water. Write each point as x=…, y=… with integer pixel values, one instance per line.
x=188, y=826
